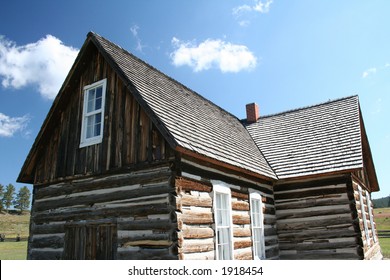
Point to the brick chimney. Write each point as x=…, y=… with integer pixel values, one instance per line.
x=252, y=113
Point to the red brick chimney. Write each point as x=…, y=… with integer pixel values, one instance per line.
x=252, y=113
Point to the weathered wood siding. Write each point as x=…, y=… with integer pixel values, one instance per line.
x=315, y=220
x=140, y=204
x=129, y=137
x=366, y=224
x=196, y=218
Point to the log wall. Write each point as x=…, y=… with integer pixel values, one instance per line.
x=196, y=220
x=315, y=220
x=140, y=204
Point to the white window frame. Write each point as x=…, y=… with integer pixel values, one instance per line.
x=84, y=141
x=257, y=225
x=222, y=189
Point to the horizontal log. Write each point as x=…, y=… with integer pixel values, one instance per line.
x=45, y=254
x=104, y=182
x=241, y=232
x=190, y=217
x=318, y=245
x=321, y=255
x=245, y=254
x=270, y=231
x=92, y=213
x=148, y=243
x=314, y=223
x=210, y=255
x=272, y=252
x=240, y=205
x=311, y=202
x=149, y=224
x=321, y=192
x=241, y=219
x=199, y=201
x=147, y=254
x=185, y=184
x=197, y=246
x=312, y=235
x=197, y=232
x=53, y=242
x=311, y=213
x=48, y=228
x=240, y=194
x=240, y=243
x=271, y=242
x=91, y=199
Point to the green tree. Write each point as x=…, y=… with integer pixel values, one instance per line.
x=22, y=200
x=1, y=197
x=8, y=196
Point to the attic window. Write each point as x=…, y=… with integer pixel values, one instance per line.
x=93, y=113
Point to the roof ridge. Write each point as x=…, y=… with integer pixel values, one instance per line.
x=91, y=33
x=310, y=106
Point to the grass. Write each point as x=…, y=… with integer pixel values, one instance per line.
x=12, y=225
x=13, y=250
x=382, y=220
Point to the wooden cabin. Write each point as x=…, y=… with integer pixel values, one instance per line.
x=131, y=164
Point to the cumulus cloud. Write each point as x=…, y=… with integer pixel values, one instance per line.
x=43, y=64
x=219, y=54
x=11, y=125
x=369, y=72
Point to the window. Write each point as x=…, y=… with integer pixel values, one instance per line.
x=223, y=222
x=257, y=222
x=93, y=113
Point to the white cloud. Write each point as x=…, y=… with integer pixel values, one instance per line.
x=134, y=30
x=369, y=72
x=225, y=56
x=237, y=11
x=263, y=7
x=259, y=6
x=10, y=125
x=44, y=64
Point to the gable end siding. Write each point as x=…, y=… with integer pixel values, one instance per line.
x=129, y=138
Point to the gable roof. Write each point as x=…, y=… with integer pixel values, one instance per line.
x=319, y=139
x=190, y=123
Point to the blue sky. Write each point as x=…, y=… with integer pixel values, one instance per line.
x=280, y=54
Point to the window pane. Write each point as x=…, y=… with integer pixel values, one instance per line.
x=98, y=104
x=97, y=129
x=90, y=125
x=99, y=92
x=98, y=118
x=91, y=101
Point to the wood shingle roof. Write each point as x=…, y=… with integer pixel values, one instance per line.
x=188, y=119
x=319, y=139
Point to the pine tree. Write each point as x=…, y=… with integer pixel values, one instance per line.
x=8, y=196
x=22, y=200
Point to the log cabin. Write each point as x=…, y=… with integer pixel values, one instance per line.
x=131, y=164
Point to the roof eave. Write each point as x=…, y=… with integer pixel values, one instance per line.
x=241, y=170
